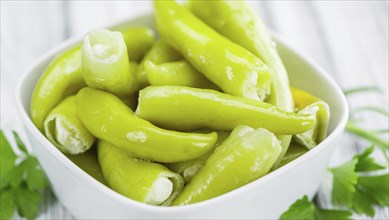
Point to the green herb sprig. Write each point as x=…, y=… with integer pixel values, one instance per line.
x=350, y=189
x=22, y=181
x=354, y=185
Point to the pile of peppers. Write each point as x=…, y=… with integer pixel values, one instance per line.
x=199, y=112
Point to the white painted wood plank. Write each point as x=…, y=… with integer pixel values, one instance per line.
x=28, y=29
x=350, y=40
x=88, y=15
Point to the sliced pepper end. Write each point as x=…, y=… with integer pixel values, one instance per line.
x=321, y=111
x=65, y=136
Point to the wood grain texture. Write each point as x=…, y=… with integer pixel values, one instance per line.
x=349, y=39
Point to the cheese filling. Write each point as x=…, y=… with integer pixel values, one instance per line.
x=160, y=191
x=68, y=137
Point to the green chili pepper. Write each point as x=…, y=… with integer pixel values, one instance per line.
x=179, y=73
x=185, y=108
x=109, y=119
x=88, y=162
x=238, y=21
x=187, y=169
x=245, y=156
x=302, y=98
x=294, y=152
x=318, y=133
x=159, y=53
x=63, y=128
x=105, y=63
x=131, y=101
x=231, y=67
x=61, y=78
x=143, y=181
x=138, y=41
x=307, y=103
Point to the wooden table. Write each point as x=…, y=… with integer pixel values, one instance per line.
x=347, y=38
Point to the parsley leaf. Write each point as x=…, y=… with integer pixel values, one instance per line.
x=377, y=187
x=305, y=209
x=344, y=183
x=366, y=163
x=360, y=193
x=7, y=159
x=21, y=184
x=7, y=204
x=19, y=143
x=28, y=201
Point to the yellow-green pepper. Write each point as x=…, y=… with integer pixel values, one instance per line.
x=302, y=98
x=138, y=41
x=238, y=21
x=245, y=156
x=159, y=53
x=105, y=63
x=307, y=103
x=61, y=78
x=294, y=152
x=179, y=73
x=109, y=119
x=314, y=136
x=89, y=163
x=231, y=67
x=63, y=128
x=185, y=108
x=143, y=181
x=187, y=169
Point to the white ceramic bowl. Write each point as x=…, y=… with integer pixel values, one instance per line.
x=265, y=198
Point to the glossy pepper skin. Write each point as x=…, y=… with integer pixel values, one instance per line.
x=64, y=129
x=105, y=63
x=185, y=108
x=136, y=178
x=307, y=103
x=61, y=78
x=138, y=41
x=245, y=156
x=89, y=163
x=109, y=119
x=294, y=151
x=302, y=98
x=231, y=67
x=159, y=53
x=178, y=73
x=187, y=169
x=237, y=21
x=318, y=133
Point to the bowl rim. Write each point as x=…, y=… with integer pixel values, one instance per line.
x=75, y=170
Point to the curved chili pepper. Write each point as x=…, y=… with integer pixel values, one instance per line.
x=179, y=73
x=105, y=63
x=187, y=169
x=138, y=41
x=109, y=119
x=302, y=98
x=318, y=133
x=185, y=108
x=89, y=163
x=294, y=152
x=159, y=53
x=231, y=67
x=307, y=103
x=238, y=21
x=63, y=128
x=245, y=156
x=61, y=78
x=143, y=181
